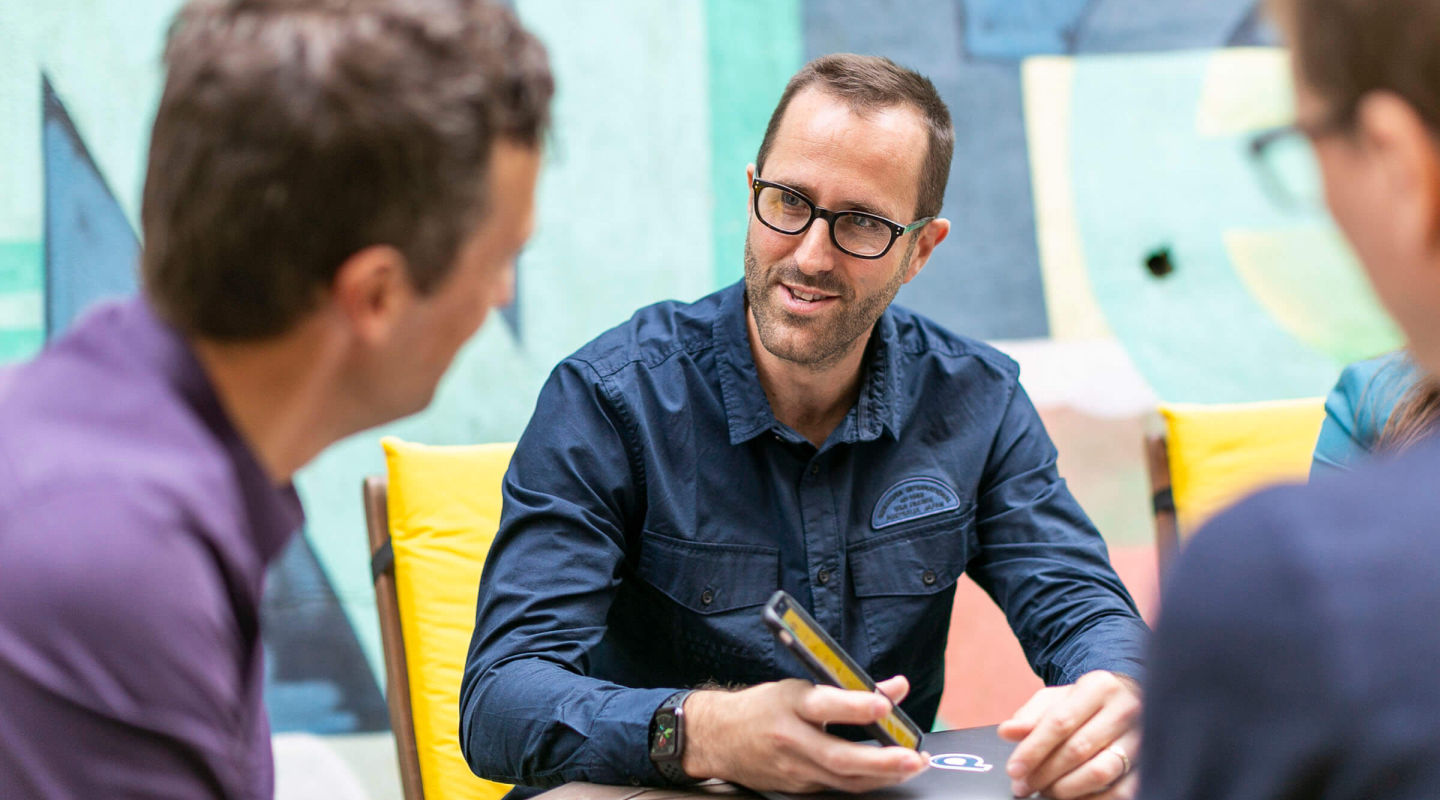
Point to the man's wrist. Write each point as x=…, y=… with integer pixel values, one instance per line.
x=698, y=758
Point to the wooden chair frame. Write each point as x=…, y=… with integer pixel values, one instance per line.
x=1162, y=502
x=397, y=673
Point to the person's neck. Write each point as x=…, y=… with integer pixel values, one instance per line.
x=812, y=400
x=280, y=395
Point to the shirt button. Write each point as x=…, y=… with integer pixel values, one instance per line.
x=707, y=597
x=634, y=781
x=814, y=469
x=823, y=576
x=928, y=578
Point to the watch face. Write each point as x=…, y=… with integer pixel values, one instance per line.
x=664, y=741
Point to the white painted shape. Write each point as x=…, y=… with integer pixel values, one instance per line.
x=1094, y=376
x=1246, y=89
x=1070, y=302
x=22, y=311
x=307, y=768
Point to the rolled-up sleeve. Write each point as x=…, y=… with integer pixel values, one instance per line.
x=1045, y=564
x=529, y=712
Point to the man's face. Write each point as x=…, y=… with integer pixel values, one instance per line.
x=483, y=277
x=812, y=302
x=1379, y=177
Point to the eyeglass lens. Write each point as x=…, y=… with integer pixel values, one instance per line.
x=789, y=213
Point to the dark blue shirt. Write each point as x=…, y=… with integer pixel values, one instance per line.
x=654, y=504
x=1297, y=647
x=135, y=526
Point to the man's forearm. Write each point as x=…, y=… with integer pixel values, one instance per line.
x=535, y=723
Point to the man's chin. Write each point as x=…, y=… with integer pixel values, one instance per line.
x=795, y=347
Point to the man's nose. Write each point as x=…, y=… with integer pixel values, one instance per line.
x=816, y=252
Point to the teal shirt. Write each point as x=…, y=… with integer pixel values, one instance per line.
x=1358, y=408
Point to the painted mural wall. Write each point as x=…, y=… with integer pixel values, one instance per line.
x=1093, y=138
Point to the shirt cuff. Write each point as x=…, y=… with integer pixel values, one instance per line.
x=626, y=720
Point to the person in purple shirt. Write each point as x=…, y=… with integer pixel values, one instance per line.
x=335, y=198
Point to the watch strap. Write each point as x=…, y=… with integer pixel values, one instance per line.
x=669, y=768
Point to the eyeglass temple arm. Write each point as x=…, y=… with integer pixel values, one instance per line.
x=916, y=224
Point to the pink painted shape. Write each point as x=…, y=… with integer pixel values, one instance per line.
x=986, y=675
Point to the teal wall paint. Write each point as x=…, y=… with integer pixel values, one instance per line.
x=755, y=46
x=1145, y=178
x=625, y=215
x=22, y=301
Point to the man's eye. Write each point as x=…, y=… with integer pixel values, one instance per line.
x=863, y=223
x=791, y=200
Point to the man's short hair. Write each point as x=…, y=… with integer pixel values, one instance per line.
x=1349, y=48
x=866, y=83
x=295, y=133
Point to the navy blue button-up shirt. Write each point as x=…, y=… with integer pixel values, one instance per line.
x=654, y=504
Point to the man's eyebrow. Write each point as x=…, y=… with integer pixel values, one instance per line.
x=848, y=205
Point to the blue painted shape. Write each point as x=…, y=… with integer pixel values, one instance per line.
x=984, y=281
x=316, y=676
x=913, y=498
x=1131, y=26
x=91, y=252
x=1015, y=29
x=1256, y=31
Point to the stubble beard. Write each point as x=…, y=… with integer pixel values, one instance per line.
x=830, y=340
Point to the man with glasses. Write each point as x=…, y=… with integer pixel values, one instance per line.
x=793, y=432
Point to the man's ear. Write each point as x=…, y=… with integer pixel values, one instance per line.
x=371, y=291
x=931, y=236
x=1397, y=138
x=749, y=188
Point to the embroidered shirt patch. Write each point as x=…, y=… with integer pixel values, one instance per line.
x=912, y=499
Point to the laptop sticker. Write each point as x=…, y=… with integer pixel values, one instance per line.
x=912, y=499
x=960, y=761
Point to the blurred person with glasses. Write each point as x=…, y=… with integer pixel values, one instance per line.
x=1296, y=653
x=1381, y=405
x=793, y=431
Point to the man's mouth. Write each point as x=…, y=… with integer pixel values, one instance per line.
x=807, y=296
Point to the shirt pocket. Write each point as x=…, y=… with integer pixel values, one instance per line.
x=716, y=591
x=905, y=585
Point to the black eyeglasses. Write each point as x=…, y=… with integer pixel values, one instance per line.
x=1284, y=157
x=855, y=233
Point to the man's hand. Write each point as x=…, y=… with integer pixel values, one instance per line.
x=1072, y=739
x=770, y=738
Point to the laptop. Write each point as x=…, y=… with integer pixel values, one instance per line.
x=966, y=764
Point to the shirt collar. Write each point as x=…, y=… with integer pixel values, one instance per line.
x=275, y=513
x=747, y=409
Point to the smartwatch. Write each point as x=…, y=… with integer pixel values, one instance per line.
x=667, y=738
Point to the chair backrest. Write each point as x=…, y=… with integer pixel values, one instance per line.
x=443, y=509
x=1212, y=456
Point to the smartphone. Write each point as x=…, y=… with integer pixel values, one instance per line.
x=799, y=633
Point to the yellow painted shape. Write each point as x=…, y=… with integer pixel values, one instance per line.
x=444, y=512
x=1221, y=453
x=1070, y=302
x=1246, y=89
x=1310, y=283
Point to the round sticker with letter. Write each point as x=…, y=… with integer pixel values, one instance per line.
x=960, y=761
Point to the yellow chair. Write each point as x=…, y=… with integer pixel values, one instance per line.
x=430, y=527
x=1211, y=456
